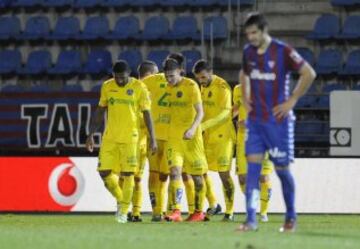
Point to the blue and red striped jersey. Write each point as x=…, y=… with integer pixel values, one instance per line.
x=269, y=75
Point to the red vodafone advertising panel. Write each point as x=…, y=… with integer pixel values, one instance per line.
x=39, y=184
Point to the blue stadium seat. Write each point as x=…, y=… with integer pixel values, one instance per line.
x=191, y=57
x=26, y=3
x=40, y=88
x=143, y=3
x=352, y=65
x=98, y=61
x=158, y=56
x=219, y=27
x=37, y=27
x=96, y=27
x=329, y=62
x=326, y=27
x=126, y=27
x=324, y=100
x=311, y=126
x=11, y=89
x=356, y=88
x=184, y=27
x=68, y=62
x=343, y=3
x=72, y=88
x=66, y=28
x=133, y=58
x=57, y=3
x=4, y=3
x=307, y=54
x=38, y=62
x=243, y=3
x=10, y=61
x=96, y=88
x=173, y=3
x=351, y=29
x=156, y=27
x=86, y=3
x=115, y=3
x=202, y=3
x=9, y=27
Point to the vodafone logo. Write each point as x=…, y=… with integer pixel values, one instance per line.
x=66, y=184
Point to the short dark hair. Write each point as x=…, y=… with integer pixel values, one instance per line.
x=256, y=18
x=178, y=57
x=146, y=67
x=201, y=65
x=171, y=64
x=121, y=66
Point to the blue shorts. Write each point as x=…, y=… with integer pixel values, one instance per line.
x=276, y=138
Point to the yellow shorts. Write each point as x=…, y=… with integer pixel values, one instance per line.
x=219, y=156
x=187, y=152
x=142, y=160
x=158, y=161
x=118, y=157
x=241, y=162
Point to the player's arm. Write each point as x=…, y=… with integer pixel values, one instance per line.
x=245, y=88
x=307, y=76
x=225, y=103
x=197, y=121
x=150, y=127
x=96, y=122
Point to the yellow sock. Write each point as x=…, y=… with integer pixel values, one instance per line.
x=153, y=188
x=200, y=196
x=210, y=194
x=265, y=194
x=176, y=193
x=169, y=200
x=229, y=197
x=137, y=198
x=112, y=184
x=128, y=190
x=190, y=194
x=160, y=198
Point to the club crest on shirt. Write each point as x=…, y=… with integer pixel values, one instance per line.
x=271, y=64
x=130, y=92
x=209, y=94
x=179, y=94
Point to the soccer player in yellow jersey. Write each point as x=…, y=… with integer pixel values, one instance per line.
x=185, y=144
x=241, y=163
x=145, y=69
x=218, y=129
x=158, y=168
x=122, y=97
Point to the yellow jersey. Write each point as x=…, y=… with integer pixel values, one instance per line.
x=156, y=85
x=216, y=98
x=123, y=107
x=238, y=101
x=182, y=99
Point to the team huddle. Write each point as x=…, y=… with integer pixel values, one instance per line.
x=184, y=128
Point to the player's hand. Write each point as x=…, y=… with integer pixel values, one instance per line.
x=153, y=146
x=189, y=134
x=241, y=124
x=247, y=104
x=90, y=143
x=281, y=111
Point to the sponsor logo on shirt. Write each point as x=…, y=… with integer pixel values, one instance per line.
x=276, y=153
x=179, y=94
x=130, y=92
x=257, y=75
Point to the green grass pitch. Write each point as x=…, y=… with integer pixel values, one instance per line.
x=101, y=231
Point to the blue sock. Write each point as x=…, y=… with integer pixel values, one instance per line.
x=252, y=191
x=288, y=188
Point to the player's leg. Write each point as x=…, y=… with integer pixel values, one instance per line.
x=255, y=149
x=224, y=160
x=189, y=191
x=109, y=168
x=281, y=151
x=214, y=206
x=129, y=165
x=153, y=179
x=175, y=156
x=241, y=163
x=265, y=188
